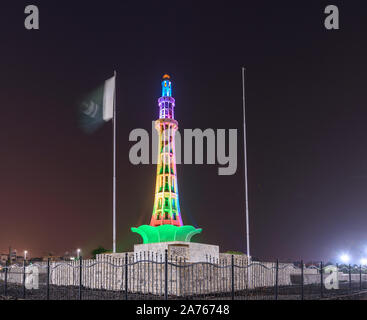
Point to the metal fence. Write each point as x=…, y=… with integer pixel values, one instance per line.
x=152, y=276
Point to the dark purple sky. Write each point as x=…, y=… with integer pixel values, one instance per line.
x=307, y=133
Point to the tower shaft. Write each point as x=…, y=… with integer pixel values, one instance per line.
x=166, y=222
x=166, y=209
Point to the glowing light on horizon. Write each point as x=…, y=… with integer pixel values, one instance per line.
x=345, y=258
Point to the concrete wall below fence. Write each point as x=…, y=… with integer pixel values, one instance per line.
x=184, y=278
x=107, y=272
x=15, y=272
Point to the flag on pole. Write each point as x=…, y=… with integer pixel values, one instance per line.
x=97, y=107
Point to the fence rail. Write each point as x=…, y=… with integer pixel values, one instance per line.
x=152, y=276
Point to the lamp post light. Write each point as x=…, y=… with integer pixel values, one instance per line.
x=345, y=258
x=364, y=261
x=25, y=254
x=78, y=252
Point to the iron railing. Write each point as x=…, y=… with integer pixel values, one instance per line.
x=153, y=276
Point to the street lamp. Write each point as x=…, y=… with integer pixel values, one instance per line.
x=25, y=254
x=364, y=261
x=78, y=251
x=345, y=258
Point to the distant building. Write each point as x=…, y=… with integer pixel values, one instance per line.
x=18, y=260
x=13, y=257
x=4, y=257
x=67, y=256
x=52, y=258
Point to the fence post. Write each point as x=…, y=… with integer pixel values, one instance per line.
x=321, y=280
x=6, y=278
x=276, y=279
x=48, y=279
x=166, y=274
x=360, y=277
x=337, y=273
x=24, y=279
x=80, y=277
x=302, y=280
x=350, y=278
x=232, y=278
x=126, y=274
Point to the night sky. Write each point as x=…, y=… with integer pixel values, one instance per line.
x=306, y=123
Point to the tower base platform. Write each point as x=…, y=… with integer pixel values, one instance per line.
x=187, y=251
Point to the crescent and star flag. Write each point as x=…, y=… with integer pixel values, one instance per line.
x=97, y=107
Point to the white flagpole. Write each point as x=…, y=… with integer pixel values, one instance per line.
x=249, y=272
x=245, y=160
x=114, y=167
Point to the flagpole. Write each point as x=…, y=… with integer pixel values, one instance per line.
x=114, y=167
x=245, y=163
x=249, y=271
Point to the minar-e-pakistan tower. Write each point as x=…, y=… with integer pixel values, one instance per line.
x=166, y=208
x=166, y=221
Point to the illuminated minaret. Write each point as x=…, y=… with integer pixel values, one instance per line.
x=166, y=209
x=166, y=222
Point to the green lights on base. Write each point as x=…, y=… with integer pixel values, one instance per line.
x=166, y=233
